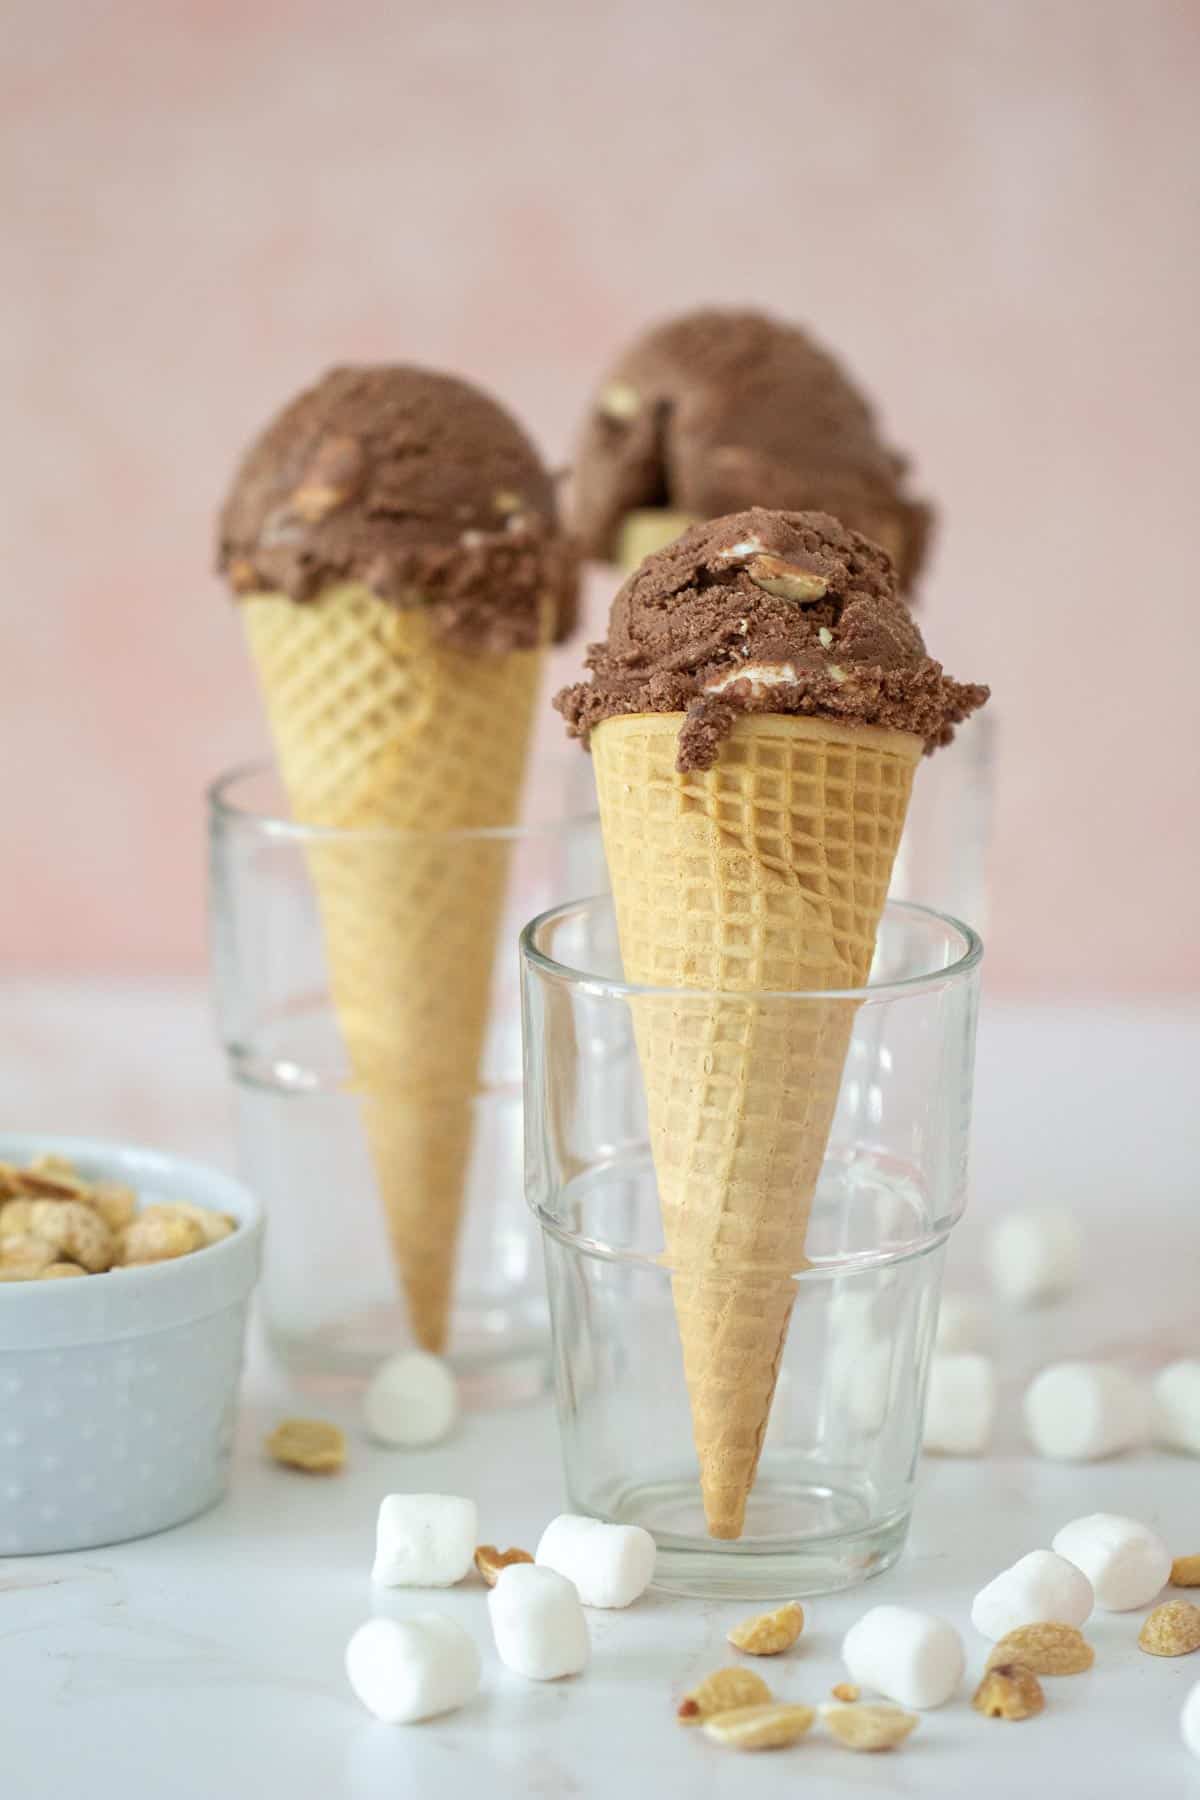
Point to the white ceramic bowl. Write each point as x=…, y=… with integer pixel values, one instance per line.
x=118, y=1392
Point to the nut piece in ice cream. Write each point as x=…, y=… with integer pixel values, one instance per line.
x=785, y=580
x=333, y=477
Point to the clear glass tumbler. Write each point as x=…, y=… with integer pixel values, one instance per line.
x=377, y=1074
x=853, y=1312
x=943, y=855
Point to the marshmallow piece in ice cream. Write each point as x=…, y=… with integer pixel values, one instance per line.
x=911, y=1657
x=1126, y=1563
x=1033, y=1256
x=408, y=1669
x=1041, y=1588
x=610, y=1565
x=538, y=1623
x=1083, y=1411
x=424, y=1540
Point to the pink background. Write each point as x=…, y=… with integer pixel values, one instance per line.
x=989, y=209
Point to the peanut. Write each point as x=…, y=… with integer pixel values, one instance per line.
x=489, y=1561
x=769, y=1633
x=309, y=1444
x=1047, y=1649
x=1009, y=1691
x=1172, y=1629
x=75, y=1230
x=158, y=1235
x=724, y=1691
x=26, y=1252
x=770, y=1727
x=870, y=1727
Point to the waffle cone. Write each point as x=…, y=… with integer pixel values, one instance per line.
x=767, y=872
x=379, y=726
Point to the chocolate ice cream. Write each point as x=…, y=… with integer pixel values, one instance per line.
x=780, y=612
x=720, y=410
x=417, y=485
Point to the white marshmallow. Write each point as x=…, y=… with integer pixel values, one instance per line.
x=1176, y=1397
x=1189, y=1721
x=1081, y=1411
x=909, y=1656
x=959, y=1323
x=424, y=1540
x=1126, y=1563
x=1042, y=1588
x=960, y=1409
x=1033, y=1256
x=411, y=1400
x=406, y=1669
x=538, y=1623
x=610, y=1565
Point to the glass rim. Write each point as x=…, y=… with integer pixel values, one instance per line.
x=225, y=810
x=606, y=987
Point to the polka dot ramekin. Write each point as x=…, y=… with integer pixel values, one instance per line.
x=118, y=1392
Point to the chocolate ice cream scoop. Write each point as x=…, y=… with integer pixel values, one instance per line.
x=720, y=410
x=781, y=612
x=417, y=485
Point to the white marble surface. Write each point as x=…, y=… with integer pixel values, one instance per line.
x=208, y=1662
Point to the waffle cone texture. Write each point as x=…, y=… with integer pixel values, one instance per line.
x=382, y=730
x=766, y=873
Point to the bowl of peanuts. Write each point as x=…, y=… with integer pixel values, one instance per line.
x=125, y=1281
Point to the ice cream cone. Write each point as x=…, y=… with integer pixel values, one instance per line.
x=383, y=729
x=766, y=872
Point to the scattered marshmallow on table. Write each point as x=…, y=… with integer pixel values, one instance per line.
x=1033, y=1256
x=411, y=1400
x=408, y=1669
x=959, y=1323
x=538, y=1623
x=424, y=1540
x=610, y=1565
x=1082, y=1411
x=1042, y=1588
x=960, y=1405
x=1176, y=1402
x=1190, y=1720
x=1126, y=1563
x=909, y=1656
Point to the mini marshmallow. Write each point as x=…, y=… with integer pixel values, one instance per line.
x=1033, y=1256
x=610, y=1565
x=407, y=1669
x=1126, y=1563
x=424, y=1540
x=1081, y=1411
x=959, y=1323
x=1189, y=1720
x=960, y=1408
x=909, y=1656
x=538, y=1623
x=1042, y=1588
x=1176, y=1397
x=411, y=1400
